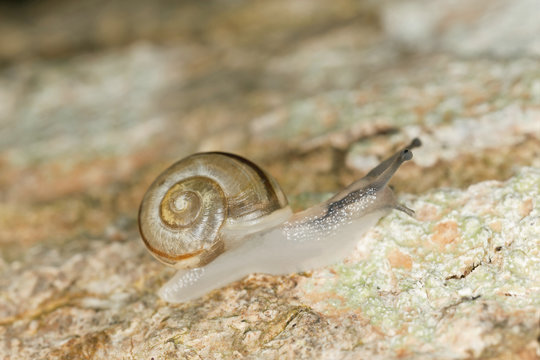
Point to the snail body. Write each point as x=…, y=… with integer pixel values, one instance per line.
x=218, y=217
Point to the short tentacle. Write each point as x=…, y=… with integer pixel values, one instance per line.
x=405, y=209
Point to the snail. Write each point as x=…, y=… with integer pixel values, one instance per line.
x=218, y=217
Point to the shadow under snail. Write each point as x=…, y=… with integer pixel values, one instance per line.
x=219, y=217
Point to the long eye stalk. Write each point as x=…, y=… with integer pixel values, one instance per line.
x=381, y=174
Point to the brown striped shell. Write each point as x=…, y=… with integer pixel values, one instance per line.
x=207, y=203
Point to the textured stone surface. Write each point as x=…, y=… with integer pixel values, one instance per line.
x=317, y=93
x=459, y=281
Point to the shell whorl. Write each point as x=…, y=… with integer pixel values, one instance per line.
x=188, y=210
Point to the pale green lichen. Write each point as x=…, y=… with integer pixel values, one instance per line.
x=480, y=243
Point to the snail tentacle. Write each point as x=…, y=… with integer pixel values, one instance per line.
x=377, y=170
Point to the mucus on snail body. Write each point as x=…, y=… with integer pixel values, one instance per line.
x=219, y=217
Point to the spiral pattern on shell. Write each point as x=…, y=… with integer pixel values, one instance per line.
x=185, y=211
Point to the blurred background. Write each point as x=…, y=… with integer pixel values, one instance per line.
x=98, y=97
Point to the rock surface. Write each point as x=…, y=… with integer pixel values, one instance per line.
x=317, y=91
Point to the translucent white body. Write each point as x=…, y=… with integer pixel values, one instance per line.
x=275, y=252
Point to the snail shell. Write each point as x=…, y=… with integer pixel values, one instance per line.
x=221, y=217
x=206, y=203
